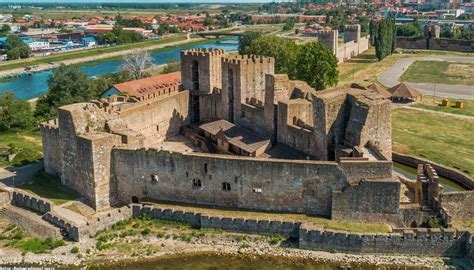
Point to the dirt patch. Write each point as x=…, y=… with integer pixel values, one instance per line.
x=31, y=139
x=464, y=71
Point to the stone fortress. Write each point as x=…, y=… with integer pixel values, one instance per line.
x=230, y=133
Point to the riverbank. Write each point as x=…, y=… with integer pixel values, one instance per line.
x=146, y=248
x=48, y=62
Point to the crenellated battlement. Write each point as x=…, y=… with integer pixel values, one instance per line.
x=355, y=27
x=203, y=52
x=50, y=125
x=247, y=59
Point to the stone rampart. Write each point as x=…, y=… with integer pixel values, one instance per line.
x=50, y=139
x=422, y=43
x=421, y=242
x=31, y=202
x=101, y=222
x=31, y=222
x=198, y=220
x=458, y=205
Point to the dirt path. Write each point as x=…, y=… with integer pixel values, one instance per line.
x=41, y=67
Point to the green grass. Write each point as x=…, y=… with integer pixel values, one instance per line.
x=26, y=143
x=434, y=103
x=442, y=139
x=439, y=72
x=86, y=53
x=37, y=246
x=49, y=187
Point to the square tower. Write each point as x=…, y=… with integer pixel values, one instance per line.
x=352, y=33
x=329, y=39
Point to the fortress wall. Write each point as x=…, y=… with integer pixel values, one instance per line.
x=443, y=44
x=364, y=44
x=294, y=186
x=209, y=107
x=164, y=115
x=252, y=118
x=421, y=242
x=51, y=148
x=458, y=205
x=418, y=43
x=366, y=200
x=31, y=202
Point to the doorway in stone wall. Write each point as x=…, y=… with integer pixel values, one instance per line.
x=135, y=199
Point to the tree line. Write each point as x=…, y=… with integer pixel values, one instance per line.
x=310, y=62
x=383, y=37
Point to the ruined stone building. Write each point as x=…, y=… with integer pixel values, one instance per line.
x=227, y=131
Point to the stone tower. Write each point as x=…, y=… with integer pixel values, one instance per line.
x=352, y=33
x=329, y=39
x=243, y=82
x=201, y=75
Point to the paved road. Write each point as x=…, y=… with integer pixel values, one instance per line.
x=391, y=77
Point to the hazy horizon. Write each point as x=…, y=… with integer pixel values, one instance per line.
x=140, y=1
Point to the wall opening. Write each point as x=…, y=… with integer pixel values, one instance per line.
x=195, y=75
x=135, y=199
x=197, y=183
x=230, y=89
x=226, y=186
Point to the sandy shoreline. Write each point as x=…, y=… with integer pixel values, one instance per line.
x=221, y=245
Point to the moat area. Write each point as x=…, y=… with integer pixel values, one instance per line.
x=409, y=172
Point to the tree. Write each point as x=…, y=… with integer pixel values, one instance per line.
x=136, y=64
x=24, y=28
x=364, y=24
x=16, y=49
x=373, y=31
x=246, y=40
x=172, y=66
x=408, y=30
x=316, y=65
x=14, y=113
x=385, y=41
x=67, y=84
x=289, y=24
x=283, y=50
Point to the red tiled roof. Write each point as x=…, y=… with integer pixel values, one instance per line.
x=149, y=85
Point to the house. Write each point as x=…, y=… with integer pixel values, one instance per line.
x=37, y=45
x=143, y=88
x=88, y=41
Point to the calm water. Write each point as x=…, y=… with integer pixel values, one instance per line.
x=409, y=172
x=37, y=85
x=215, y=262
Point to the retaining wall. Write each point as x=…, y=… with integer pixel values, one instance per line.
x=31, y=222
x=424, y=242
x=459, y=177
x=31, y=202
x=198, y=220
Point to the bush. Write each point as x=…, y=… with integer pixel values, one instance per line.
x=276, y=238
x=75, y=250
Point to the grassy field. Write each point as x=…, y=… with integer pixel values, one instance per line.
x=439, y=72
x=434, y=103
x=25, y=143
x=442, y=139
x=349, y=226
x=364, y=69
x=50, y=187
x=86, y=53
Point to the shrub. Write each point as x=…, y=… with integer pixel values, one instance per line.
x=276, y=238
x=36, y=245
x=75, y=250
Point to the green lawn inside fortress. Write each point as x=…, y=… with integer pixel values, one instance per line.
x=439, y=72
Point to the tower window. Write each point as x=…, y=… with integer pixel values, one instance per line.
x=197, y=183
x=205, y=167
x=226, y=186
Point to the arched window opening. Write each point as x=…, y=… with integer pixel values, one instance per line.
x=197, y=183
x=226, y=186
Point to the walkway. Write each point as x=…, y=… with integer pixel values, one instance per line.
x=391, y=77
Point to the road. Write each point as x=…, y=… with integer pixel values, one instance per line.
x=391, y=77
x=41, y=67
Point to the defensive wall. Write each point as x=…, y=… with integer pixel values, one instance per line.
x=284, y=185
x=353, y=44
x=419, y=242
x=443, y=44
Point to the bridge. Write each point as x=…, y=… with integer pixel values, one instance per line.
x=217, y=34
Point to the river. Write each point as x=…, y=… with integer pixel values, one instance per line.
x=35, y=85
